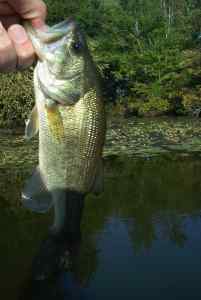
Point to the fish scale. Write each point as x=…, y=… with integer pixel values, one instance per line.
x=71, y=121
x=81, y=127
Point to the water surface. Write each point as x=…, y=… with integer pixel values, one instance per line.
x=141, y=238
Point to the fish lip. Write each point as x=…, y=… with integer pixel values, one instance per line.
x=41, y=38
x=70, y=21
x=56, y=32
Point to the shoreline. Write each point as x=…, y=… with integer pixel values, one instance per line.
x=133, y=137
x=113, y=119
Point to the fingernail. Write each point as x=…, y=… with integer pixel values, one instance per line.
x=19, y=35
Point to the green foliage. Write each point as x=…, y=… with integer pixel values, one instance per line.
x=16, y=98
x=153, y=107
x=147, y=52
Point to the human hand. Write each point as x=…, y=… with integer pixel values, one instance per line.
x=16, y=50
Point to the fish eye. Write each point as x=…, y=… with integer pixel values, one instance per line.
x=77, y=46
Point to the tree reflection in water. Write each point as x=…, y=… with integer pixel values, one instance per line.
x=153, y=198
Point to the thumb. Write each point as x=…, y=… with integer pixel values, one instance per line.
x=30, y=9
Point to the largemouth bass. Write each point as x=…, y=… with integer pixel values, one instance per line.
x=69, y=115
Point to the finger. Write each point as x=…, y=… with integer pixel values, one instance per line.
x=29, y=9
x=6, y=9
x=23, y=46
x=8, y=57
x=9, y=20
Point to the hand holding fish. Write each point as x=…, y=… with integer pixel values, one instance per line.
x=16, y=50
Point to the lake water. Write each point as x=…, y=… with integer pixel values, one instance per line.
x=141, y=238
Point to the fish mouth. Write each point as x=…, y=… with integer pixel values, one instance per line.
x=50, y=34
x=57, y=31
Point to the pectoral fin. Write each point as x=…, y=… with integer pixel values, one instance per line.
x=35, y=195
x=55, y=123
x=32, y=124
x=97, y=187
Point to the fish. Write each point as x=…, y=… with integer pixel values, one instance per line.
x=69, y=116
